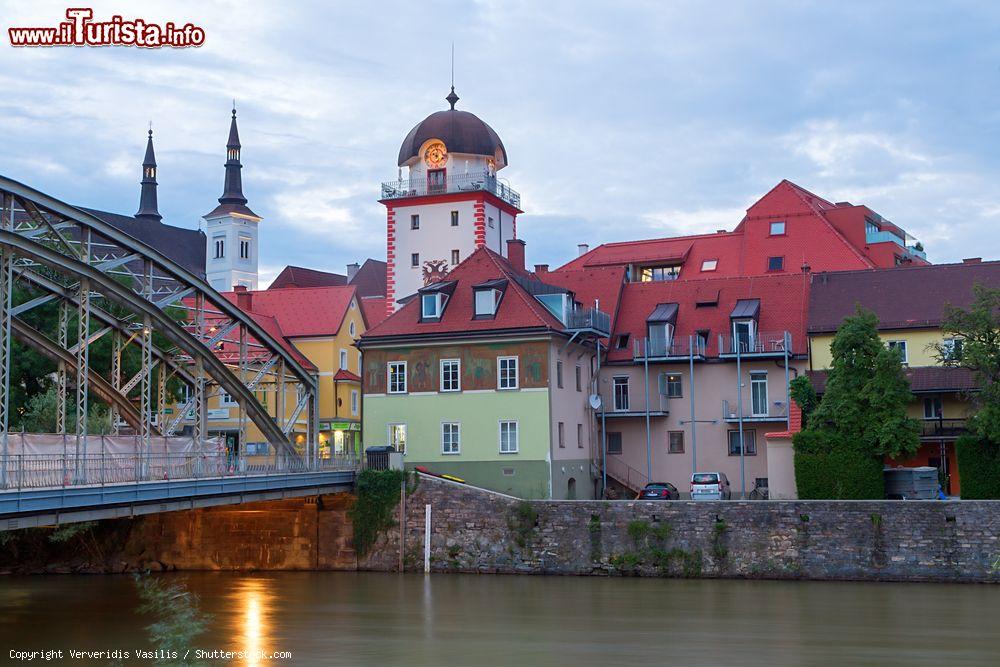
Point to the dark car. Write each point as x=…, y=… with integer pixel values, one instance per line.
x=659, y=491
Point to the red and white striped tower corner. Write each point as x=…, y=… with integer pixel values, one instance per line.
x=447, y=201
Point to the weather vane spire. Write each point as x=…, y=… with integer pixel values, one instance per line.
x=452, y=97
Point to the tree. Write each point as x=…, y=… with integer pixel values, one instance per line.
x=860, y=420
x=804, y=394
x=975, y=345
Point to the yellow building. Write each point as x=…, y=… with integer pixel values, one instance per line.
x=320, y=326
x=909, y=303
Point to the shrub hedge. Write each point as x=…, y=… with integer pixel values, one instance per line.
x=827, y=467
x=979, y=467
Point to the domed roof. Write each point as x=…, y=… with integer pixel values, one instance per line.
x=461, y=132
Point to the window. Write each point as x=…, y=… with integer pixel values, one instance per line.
x=621, y=342
x=758, y=393
x=415, y=260
x=562, y=434
x=508, y=437
x=451, y=375
x=672, y=387
x=579, y=379
x=486, y=302
x=621, y=394
x=353, y=330
x=559, y=379
x=437, y=180
x=710, y=265
x=775, y=263
x=675, y=442
x=225, y=399
x=777, y=228
x=871, y=227
x=490, y=222
x=654, y=274
x=343, y=360
x=743, y=335
x=454, y=257
x=360, y=367
x=748, y=440
x=397, y=377
x=507, y=373
x=933, y=408
x=432, y=305
x=354, y=402
x=951, y=349
x=900, y=347
x=244, y=247
x=614, y=443
x=579, y=436
x=660, y=337
x=701, y=340
x=220, y=247
x=454, y=218
x=397, y=437
x=414, y=221
x=450, y=438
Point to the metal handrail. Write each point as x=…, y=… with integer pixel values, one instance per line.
x=626, y=474
x=471, y=182
x=25, y=471
x=759, y=343
x=658, y=348
x=589, y=318
x=939, y=427
x=777, y=409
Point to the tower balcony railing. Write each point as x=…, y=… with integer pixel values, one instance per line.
x=667, y=348
x=473, y=182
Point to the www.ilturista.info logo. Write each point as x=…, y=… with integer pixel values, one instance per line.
x=82, y=30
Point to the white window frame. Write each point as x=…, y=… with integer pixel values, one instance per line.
x=388, y=377
x=500, y=375
x=226, y=400
x=343, y=359
x=361, y=363
x=614, y=393
x=354, y=402
x=493, y=302
x=948, y=346
x=517, y=436
x=245, y=249
x=440, y=300
x=456, y=442
x=353, y=330
x=561, y=434
x=579, y=435
x=759, y=378
x=559, y=374
x=456, y=257
x=414, y=260
x=415, y=221
x=932, y=400
x=458, y=375
x=220, y=247
x=390, y=427
x=777, y=222
x=897, y=343
x=709, y=264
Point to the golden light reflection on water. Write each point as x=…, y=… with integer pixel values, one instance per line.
x=252, y=618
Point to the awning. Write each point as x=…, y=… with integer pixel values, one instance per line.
x=746, y=309
x=664, y=312
x=445, y=287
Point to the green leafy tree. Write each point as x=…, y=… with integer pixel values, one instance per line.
x=179, y=619
x=860, y=420
x=804, y=394
x=976, y=332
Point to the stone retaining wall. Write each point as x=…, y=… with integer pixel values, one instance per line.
x=479, y=531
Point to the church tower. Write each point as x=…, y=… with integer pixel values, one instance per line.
x=231, y=228
x=449, y=202
x=147, y=196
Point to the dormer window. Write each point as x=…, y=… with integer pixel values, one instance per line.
x=486, y=298
x=660, y=328
x=744, y=325
x=432, y=305
x=709, y=265
x=653, y=274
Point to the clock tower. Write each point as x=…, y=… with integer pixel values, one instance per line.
x=447, y=201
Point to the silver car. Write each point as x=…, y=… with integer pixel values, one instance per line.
x=710, y=486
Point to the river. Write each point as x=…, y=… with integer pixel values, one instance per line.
x=445, y=620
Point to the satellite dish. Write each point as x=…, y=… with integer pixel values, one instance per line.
x=595, y=401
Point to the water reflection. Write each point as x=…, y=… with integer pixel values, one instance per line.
x=252, y=602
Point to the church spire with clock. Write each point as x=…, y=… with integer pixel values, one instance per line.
x=447, y=201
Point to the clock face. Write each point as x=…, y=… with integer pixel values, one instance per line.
x=436, y=155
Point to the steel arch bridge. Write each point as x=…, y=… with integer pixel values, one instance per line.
x=113, y=285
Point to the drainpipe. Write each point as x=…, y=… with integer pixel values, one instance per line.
x=739, y=413
x=604, y=432
x=649, y=448
x=788, y=387
x=694, y=425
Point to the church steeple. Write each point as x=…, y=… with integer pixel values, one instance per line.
x=147, y=198
x=233, y=191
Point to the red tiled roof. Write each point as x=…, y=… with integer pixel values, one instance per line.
x=902, y=298
x=370, y=278
x=373, y=310
x=600, y=285
x=794, y=423
x=517, y=308
x=297, y=276
x=782, y=308
x=344, y=374
x=922, y=379
x=302, y=311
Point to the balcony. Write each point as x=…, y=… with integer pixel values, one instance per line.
x=942, y=428
x=478, y=182
x=759, y=346
x=884, y=237
x=589, y=320
x=663, y=349
x=776, y=412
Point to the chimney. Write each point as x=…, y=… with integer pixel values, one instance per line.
x=244, y=298
x=582, y=249
x=515, y=253
x=541, y=269
x=972, y=260
x=352, y=270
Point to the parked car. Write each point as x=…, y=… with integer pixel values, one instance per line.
x=659, y=491
x=710, y=486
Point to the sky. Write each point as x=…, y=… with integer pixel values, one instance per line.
x=621, y=120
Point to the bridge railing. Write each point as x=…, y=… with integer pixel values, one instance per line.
x=26, y=471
